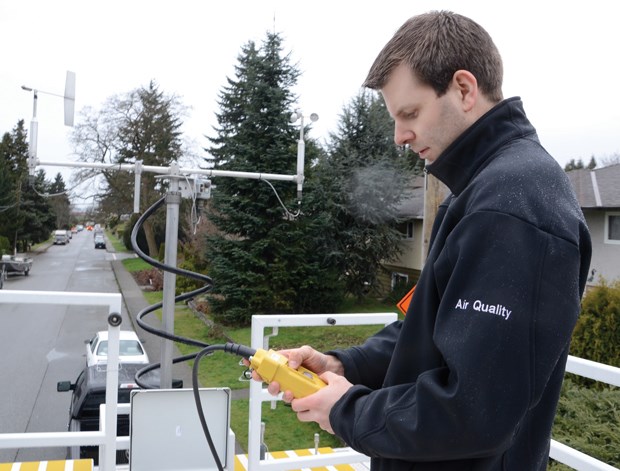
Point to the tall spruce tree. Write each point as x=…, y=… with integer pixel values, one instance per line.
x=151, y=133
x=12, y=169
x=40, y=218
x=59, y=201
x=144, y=124
x=26, y=215
x=261, y=260
x=363, y=178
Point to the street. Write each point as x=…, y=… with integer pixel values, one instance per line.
x=43, y=344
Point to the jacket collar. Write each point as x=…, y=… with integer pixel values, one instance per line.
x=469, y=153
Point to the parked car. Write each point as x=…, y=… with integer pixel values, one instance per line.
x=89, y=394
x=131, y=349
x=61, y=237
x=99, y=241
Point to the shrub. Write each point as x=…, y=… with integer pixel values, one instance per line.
x=597, y=334
x=152, y=277
x=589, y=412
x=589, y=421
x=127, y=235
x=5, y=246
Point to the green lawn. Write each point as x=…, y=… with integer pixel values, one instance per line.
x=282, y=429
x=118, y=244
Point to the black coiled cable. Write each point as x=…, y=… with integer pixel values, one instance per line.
x=206, y=348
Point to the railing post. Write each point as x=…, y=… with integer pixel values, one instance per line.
x=108, y=415
x=258, y=394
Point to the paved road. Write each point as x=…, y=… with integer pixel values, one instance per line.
x=42, y=344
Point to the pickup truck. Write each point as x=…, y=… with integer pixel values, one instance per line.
x=61, y=237
x=89, y=394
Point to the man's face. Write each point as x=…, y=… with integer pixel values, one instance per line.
x=426, y=123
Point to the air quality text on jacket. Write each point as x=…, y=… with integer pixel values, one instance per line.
x=478, y=305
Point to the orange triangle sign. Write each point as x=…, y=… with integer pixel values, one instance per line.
x=403, y=304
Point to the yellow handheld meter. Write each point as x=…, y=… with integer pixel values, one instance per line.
x=271, y=366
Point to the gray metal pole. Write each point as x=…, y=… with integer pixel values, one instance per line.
x=34, y=133
x=173, y=201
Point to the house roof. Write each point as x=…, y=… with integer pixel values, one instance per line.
x=598, y=188
x=412, y=204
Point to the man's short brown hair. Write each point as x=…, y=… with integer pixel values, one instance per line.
x=437, y=44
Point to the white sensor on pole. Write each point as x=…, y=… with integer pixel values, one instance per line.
x=301, y=148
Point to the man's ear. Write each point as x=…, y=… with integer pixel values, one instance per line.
x=466, y=86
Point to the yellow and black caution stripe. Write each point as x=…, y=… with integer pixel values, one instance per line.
x=56, y=465
x=241, y=461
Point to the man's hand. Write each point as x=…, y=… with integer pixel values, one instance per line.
x=315, y=361
x=316, y=407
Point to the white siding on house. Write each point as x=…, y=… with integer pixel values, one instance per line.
x=605, y=254
x=411, y=254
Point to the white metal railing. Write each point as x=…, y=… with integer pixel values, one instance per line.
x=108, y=443
x=258, y=394
x=106, y=436
x=565, y=454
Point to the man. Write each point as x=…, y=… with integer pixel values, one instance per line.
x=471, y=378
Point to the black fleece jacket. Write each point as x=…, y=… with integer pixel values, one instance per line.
x=471, y=378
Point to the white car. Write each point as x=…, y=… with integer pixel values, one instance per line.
x=131, y=349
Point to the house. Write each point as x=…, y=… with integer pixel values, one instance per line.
x=598, y=192
x=404, y=270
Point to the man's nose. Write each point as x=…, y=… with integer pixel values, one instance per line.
x=402, y=136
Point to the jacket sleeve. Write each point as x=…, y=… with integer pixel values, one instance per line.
x=508, y=301
x=367, y=364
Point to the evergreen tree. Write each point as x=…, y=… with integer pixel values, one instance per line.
x=573, y=165
x=8, y=199
x=39, y=217
x=59, y=201
x=10, y=186
x=261, y=260
x=592, y=164
x=363, y=178
x=150, y=133
x=142, y=125
x=25, y=215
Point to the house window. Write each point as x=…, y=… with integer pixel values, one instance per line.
x=406, y=229
x=612, y=228
x=399, y=280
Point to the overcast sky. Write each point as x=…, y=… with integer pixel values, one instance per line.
x=560, y=57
